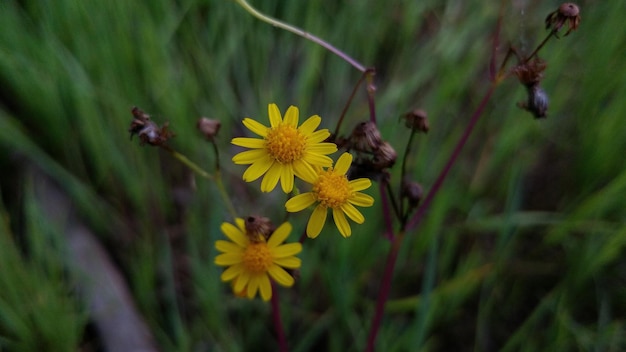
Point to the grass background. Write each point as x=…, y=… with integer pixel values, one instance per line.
x=522, y=250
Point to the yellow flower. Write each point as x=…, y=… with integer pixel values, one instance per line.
x=331, y=189
x=285, y=150
x=249, y=263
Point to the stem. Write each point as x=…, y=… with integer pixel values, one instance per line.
x=383, y=294
x=419, y=214
x=540, y=46
x=278, y=324
x=345, y=108
x=371, y=89
x=219, y=182
x=407, y=150
x=190, y=164
x=295, y=30
x=384, y=186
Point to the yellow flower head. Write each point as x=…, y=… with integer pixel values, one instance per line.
x=285, y=149
x=249, y=263
x=331, y=189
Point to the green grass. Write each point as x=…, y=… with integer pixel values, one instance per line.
x=522, y=249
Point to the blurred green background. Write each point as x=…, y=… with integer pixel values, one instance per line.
x=523, y=249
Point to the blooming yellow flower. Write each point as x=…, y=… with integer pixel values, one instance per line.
x=331, y=189
x=250, y=262
x=285, y=150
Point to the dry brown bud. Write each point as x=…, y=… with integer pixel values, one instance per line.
x=530, y=73
x=147, y=130
x=567, y=12
x=366, y=137
x=208, y=127
x=384, y=157
x=413, y=192
x=417, y=120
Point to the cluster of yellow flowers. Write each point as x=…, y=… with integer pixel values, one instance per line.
x=286, y=151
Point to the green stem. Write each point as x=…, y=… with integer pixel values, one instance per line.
x=295, y=30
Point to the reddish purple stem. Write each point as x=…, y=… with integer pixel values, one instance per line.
x=278, y=324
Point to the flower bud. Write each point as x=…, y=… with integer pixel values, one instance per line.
x=567, y=12
x=413, y=192
x=384, y=157
x=417, y=120
x=208, y=127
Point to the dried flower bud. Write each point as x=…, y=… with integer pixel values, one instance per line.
x=208, y=127
x=417, y=120
x=413, y=192
x=537, y=102
x=567, y=12
x=530, y=73
x=147, y=130
x=384, y=157
x=366, y=137
x=258, y=228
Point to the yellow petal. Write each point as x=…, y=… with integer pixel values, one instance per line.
x=316, y=221
x=257, y=169
x=280, y=276
x=316, y=159
x=343, y=163
x=231, y=273
x=250, y=156
x=291, y=116
x=300, y=202
x=341, y=222
x=353, y=213
x=227, y=259
x=318, y=136
x=286, y=178
x=286, y=250
x=279, y=235
x=266, y=288
x=228, y=247
x=360, y=184
x=242, y=281
x=255, y=127
x=270, y=180
x=288, y=262
x=274, y=114
x=304, y=171
x=361, y=199
x=322, y=148
x=246, y=142
x=241, y=224
x=253, y=286
x=235, y=234
x=310, y=125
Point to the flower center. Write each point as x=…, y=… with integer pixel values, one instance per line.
x=332, y=189
x=257, y=258
x=285, y=143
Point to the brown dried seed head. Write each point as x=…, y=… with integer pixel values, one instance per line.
x=366, y=137
x=417, y=120
x=208, y=127
x=566, y=13
x=569, y=9
x=413, y=192
x=384, y=157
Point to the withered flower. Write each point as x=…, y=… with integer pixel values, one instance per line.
x=365, y=137
x=530, y=73
x=537, y=102
x=147, y=130
x=258, y=228
x=208, y=127
x=413, y=192
x=567, y=12
x=417, y=120
x=384, y=157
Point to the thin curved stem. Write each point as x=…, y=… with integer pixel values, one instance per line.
x=278, y=323
x=295, y=30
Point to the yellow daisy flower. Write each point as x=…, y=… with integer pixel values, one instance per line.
x=285, y=149
x=331, y=189
x=250, y=262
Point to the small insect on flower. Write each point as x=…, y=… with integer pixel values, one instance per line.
x=251, y=263
x=147, y=130
x=537, y=102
